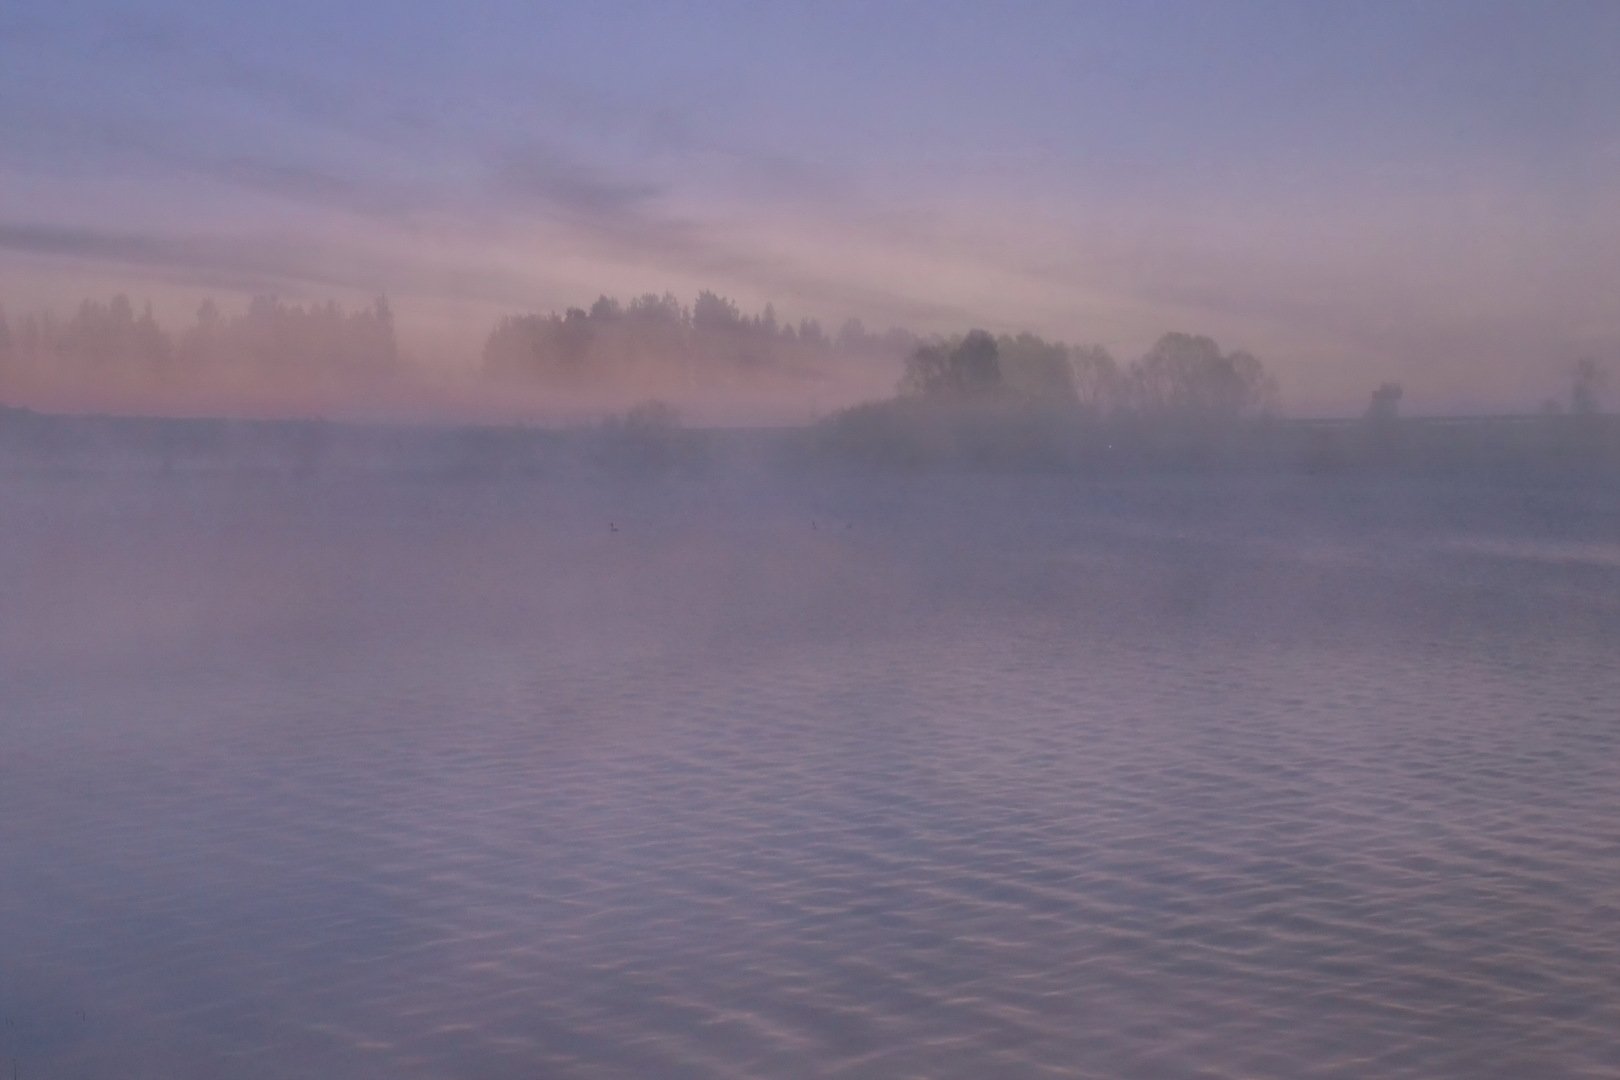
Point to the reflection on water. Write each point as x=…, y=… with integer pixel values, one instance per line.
x=936, y=777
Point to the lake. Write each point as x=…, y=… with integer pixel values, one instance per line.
x=824, y=775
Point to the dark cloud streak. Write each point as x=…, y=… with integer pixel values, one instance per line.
x=541, y=175
x=257, y=263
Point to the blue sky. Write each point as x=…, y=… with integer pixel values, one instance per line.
x=1421, y=191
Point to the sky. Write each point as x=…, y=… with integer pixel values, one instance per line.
x=1424, y=192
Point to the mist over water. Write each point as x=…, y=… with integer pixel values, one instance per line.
x=884, y=541
x=616, y=772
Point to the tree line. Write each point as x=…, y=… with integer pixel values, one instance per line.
x=111, y=342
x=655, y=340
x=711, y=340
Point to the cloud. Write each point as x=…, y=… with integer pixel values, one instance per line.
x=538, y=174
x=625, y=219
x=258, y=263
x=681, y=201
x=82, y=243
x=365, y=196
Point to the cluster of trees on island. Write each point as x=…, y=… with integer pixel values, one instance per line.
x=1019, y=399
x=1182, y=375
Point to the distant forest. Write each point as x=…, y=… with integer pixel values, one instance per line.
x=649, y=341
x=654, y=345
x=657, y=336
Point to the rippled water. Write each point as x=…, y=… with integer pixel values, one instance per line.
x=926, y=777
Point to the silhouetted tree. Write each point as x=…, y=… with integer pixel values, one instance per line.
x=318, y=340
x=1037, y=369
x=811, y=334
x=514, y=346
x=927, y=371
x=110, y=343
x=1385, y=406
x=1097, y=380
x=852, y=335
x=1587, y=383
x=966, y=368
x=1187, y=376
x=106, y=340
x=648, y=308
x=553, y=347
x=712, y=313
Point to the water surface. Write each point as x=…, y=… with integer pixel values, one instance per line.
x=915, y=776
